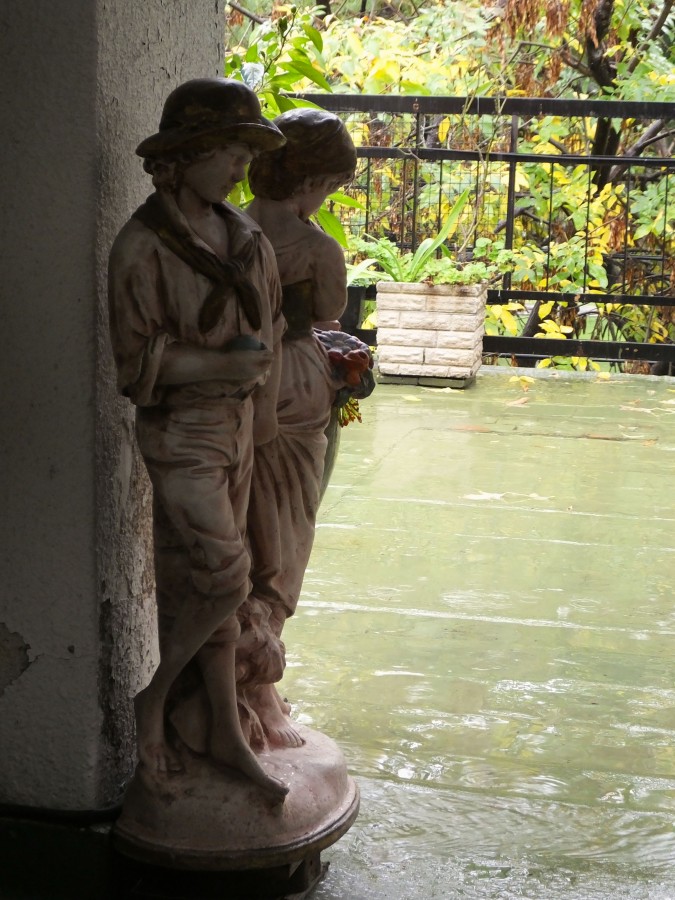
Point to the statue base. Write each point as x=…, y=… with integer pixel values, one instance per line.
x=213, y=819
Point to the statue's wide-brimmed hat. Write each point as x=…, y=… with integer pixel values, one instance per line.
x=204, y=112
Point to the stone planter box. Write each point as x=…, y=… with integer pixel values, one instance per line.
x=430, y=331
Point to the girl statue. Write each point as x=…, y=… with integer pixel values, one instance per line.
x=290, y=184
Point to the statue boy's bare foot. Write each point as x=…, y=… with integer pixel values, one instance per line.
x=271, y=711
x=236, y=754
x=153, y=751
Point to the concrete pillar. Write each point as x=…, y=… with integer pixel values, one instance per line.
x=83, y=83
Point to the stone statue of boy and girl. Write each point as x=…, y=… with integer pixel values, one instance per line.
x=212, y=317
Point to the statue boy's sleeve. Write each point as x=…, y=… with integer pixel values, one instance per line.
x=136, y=317
x=266, y=395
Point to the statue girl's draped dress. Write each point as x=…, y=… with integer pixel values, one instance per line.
x=289, y=186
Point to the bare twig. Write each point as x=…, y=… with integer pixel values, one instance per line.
x=574, y=62
x=518, y=211
x=245, y=12
x=558, y=145
x=649, y=136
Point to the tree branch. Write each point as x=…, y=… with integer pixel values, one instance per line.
x=245, y=12
x=649, y=136
x=518, y=211
x=602, y=68
x=654, y=32
x=573, y=62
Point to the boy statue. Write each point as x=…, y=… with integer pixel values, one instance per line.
x=195, y=317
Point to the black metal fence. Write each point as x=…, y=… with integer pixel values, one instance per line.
x=535, y=182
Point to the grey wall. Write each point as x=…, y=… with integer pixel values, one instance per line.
x=83, y=83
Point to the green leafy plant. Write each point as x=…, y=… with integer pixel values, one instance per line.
x=407, y=267
x=488, y=261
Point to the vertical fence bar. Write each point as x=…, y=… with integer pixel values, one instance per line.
x=401, y=230
x=550, y=226
x=439, y=213
x=511, y=194
x=588, y=225
x=665, y=233
x=368, y=197
x=625, y=236
x=477, y=200
x=416, y=183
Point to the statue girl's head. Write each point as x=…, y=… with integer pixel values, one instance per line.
x=318, y=157
x=199, y=117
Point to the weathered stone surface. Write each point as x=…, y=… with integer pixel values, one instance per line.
x=403, y=301
x=396, y=354
x=431, y=371
x=410, y=337
x=464, y=340
x=457, y=305
x=435, y=357
x=387, y=318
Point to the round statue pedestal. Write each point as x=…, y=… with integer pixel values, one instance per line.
x=215, y=820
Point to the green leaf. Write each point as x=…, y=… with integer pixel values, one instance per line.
x=364, y=274
x=332, y=226
x=314, y=36
x=306, y=69
x=509, y=321
x=285, y=103
x=285, y=81
x=345, y=200
x=427, y=248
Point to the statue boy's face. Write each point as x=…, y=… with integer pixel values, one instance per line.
x=213, y=178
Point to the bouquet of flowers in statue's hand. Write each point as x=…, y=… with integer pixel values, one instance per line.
x=352, y=364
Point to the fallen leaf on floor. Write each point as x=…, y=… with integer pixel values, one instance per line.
x=411, y=397
x=483, y=495
x=523, y=380
x=442, y=390
x=521, y=401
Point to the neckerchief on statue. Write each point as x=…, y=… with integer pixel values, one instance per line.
x=230, y=275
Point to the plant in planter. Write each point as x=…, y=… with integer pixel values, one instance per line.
x=431, y=310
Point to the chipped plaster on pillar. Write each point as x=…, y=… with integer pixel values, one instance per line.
x=84, y=83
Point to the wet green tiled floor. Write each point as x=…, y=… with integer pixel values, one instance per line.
x=487, y=628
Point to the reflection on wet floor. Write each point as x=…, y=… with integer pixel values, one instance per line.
x=487, y=628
